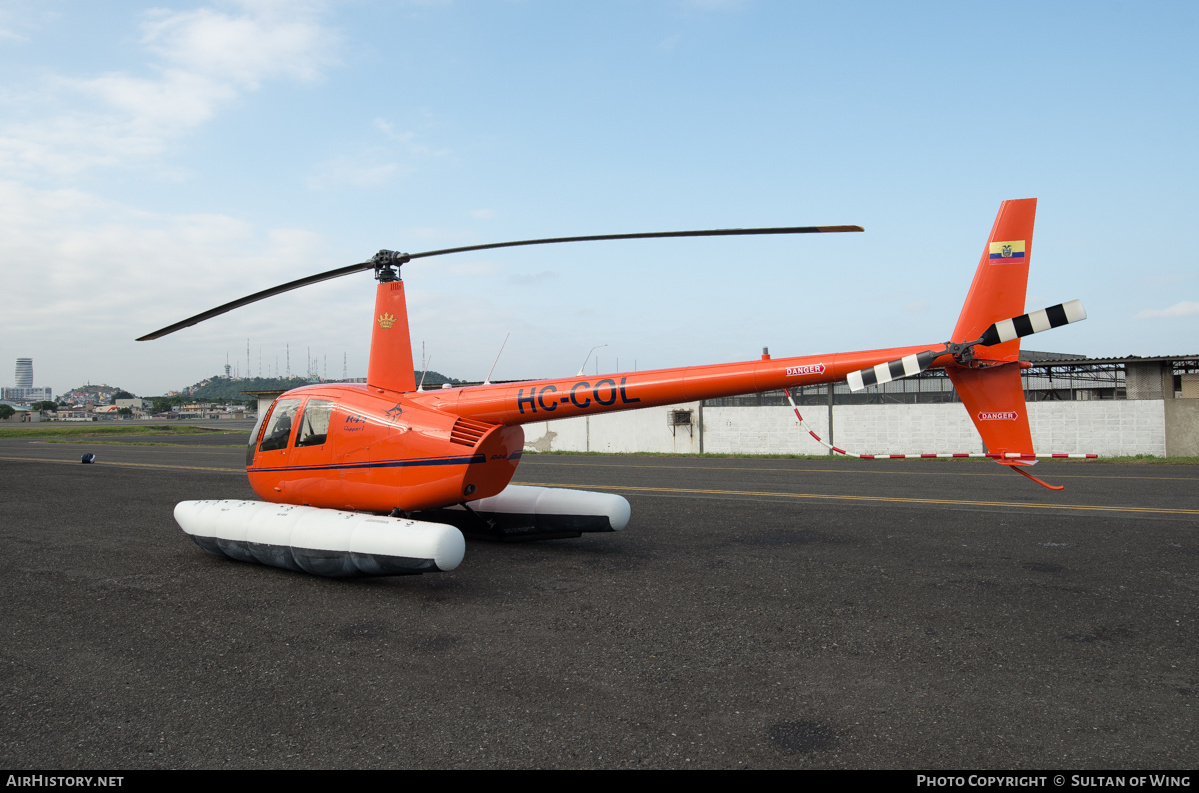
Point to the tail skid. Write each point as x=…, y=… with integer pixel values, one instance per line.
x=1040, y=482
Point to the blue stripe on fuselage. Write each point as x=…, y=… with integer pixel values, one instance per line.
x=464, y=460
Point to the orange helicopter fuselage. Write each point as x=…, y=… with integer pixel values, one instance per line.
x=389, y=446
x=383, y=451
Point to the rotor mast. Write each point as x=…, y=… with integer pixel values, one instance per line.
x=390, y=365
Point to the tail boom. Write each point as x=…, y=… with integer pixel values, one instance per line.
x=542, y=400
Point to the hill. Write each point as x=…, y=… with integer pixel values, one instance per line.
x=224, y=389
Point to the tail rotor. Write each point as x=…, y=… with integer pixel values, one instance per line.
x=963, y=353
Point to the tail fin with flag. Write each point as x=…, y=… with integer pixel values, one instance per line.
x=990, y=388
x=982, y=358
x=1001, y=279
x=988, y=380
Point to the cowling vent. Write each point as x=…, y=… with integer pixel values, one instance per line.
x=467, y=432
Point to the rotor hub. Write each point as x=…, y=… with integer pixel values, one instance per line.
x=387, y=265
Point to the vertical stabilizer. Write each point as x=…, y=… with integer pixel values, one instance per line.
x=994, y=394
x=994, y=398
x=997, y=292
x=390, y=363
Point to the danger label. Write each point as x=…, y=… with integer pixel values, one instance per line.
x=1009, y=416
x=811, y=368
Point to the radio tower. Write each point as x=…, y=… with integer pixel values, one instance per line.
x=288, y=360
x=344, y=371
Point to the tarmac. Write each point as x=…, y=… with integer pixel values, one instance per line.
x=755, y=613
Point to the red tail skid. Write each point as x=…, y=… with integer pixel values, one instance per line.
x=1018, y=469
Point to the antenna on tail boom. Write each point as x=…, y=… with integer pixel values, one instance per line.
x=497, y=359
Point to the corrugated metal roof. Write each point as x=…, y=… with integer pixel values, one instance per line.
x=1065, y=359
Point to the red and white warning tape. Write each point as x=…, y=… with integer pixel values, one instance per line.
x=993, y=455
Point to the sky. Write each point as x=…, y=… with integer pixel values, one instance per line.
x=157, y=160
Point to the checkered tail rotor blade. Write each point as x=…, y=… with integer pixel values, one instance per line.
x=1033, y=322
x=907, y=366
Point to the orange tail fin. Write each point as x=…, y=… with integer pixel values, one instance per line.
x=1001, y=279
x=994, y=397
x=993, y=393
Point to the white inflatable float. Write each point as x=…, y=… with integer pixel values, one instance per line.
x=325, y=542
x=331, y=542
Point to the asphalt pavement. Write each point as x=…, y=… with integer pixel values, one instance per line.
x=754, y=614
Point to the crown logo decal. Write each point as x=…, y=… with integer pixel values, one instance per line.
x=386, y=320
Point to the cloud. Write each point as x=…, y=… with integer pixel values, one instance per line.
x=670, y=42
x=482, y=214
x=9, y=22
x=529, y=279
x=1168, y=280
x=408, y=139
x=468, y=269
x=1186, y=308
x=270, y=40
x=349, y=171
x=715, y=5
x=201, y=61
x=373, y=164
x=87, y=276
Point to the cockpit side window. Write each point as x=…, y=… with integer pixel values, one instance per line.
x=278, y=430
x=314, y=423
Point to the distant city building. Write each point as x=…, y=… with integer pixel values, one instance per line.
x=26, y=395
x=24, y=373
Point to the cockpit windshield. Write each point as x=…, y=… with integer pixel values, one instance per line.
x=279, y=429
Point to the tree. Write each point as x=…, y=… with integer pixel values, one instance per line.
x=6, y=411
x=161, y=404
x=47, y=405
x=122, y=394
x=124, y=411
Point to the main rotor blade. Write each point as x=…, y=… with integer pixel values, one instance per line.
x=254, y=298
x=645, y=236
x=357, y=268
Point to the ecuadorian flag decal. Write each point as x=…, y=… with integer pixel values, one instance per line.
x=1008, y=252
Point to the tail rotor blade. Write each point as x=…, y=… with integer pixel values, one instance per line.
x=999, y=332
x=1034, y=322
x=907, y=366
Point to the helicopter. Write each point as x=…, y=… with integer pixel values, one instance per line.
x=381, y=478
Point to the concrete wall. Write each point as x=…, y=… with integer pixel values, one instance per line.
x=1182, y=425
x=1109, y=428
x=1101, y=427
x=630, y=431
